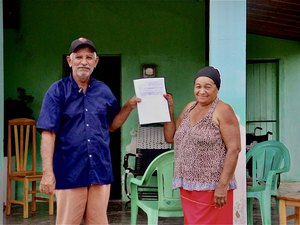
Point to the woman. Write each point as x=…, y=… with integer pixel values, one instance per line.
x=206, y=139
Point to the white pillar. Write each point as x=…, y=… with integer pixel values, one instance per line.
x=227, y=52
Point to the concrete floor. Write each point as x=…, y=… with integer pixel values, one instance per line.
x=118, y=214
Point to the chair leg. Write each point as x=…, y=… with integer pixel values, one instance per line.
x=51, y=204
x=33, y=196
x=249, y=211
x=8, y=198
x=282, y=212
x=25, y=199
x=133, y=204
x=265, y=209
x=134, y=213
x=277, y=204
x=153, y=217
x=297, y=214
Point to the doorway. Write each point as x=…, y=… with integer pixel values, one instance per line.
x=108, y=70
x=262, y=98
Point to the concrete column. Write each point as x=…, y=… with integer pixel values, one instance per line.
x=227, y=52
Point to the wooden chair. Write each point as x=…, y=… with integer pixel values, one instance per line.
x=22, y=142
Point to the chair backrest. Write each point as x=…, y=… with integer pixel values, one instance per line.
x=145, y=156
x=168, y=198
x=268, y=156
x=21, y=140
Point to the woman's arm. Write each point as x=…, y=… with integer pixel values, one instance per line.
x=170, y=127
x=230, y=131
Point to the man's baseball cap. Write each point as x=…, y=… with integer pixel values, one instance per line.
x=81, y=42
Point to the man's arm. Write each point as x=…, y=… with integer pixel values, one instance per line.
x=47, y=184
x=122, y=116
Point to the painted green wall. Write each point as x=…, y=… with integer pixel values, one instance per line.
x=288, y=53
x=168, y=33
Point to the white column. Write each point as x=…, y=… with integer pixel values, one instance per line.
x=227, y=52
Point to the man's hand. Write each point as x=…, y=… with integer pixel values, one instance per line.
x=47, y=184
x=132, y=103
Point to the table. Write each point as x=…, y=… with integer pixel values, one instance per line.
x=289, y=195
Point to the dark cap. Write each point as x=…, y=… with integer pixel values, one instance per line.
x=210, y=72
x=81, y=42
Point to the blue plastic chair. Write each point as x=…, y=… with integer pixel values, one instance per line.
x=168, y=203
x=269, y=160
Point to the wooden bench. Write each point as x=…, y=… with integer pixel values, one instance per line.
x=289, y=195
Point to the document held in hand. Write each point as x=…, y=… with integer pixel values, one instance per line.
x=154, y=107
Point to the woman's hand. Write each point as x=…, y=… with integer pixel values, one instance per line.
x=220, y=196
x=169, y=98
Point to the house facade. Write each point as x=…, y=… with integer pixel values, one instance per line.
x=179, y=36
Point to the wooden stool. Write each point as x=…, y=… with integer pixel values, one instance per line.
x=289, y=195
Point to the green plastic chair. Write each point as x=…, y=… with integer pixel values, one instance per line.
x=269, y=160
x=168, y=203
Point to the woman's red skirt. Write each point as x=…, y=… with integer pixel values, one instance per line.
x=198, y=208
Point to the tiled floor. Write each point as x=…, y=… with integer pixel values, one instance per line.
x=117, y=214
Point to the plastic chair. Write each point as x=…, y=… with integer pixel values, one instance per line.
x=150, y=142
x=142, y=159
x=269, y=160
x=251, y=140
x=168, y=203
x=22, y=143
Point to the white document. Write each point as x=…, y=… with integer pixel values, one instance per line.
x=154, y=107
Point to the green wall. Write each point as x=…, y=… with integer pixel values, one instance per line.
x=168, y=33
x=288, y=53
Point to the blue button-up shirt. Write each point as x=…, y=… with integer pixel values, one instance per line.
x=81, y=123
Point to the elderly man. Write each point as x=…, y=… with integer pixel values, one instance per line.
x=75, y=119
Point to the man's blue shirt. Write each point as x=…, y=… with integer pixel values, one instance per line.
x=81, y=123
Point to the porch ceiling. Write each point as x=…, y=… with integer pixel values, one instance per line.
x=275, y=18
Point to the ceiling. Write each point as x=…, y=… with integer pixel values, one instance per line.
x=274, y=18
